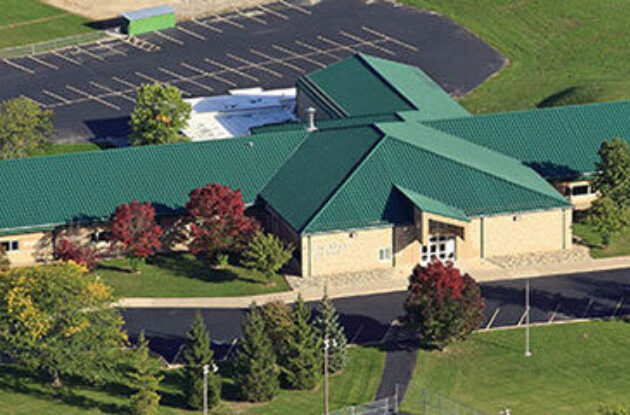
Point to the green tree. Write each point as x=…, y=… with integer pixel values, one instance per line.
x=197, y=354
x=145, y=380
x=302, y=364
x=5, y=263
x=159, y=116
x=327, y=326
x=58, y=319
x=608, y=218
x=24, y=128
x=266, y=253
x=255, y=370
x=613, y=172
x=278, y=322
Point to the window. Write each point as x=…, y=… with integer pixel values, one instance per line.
x=99, y=236
x=11, y=246
x=580, y=190
x=384, y=254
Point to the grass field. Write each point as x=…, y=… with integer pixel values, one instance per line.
x=558, y=51
x=22, y=394
x=574, y=369
x=182, y=275
x=65, y=148
x=30, y=21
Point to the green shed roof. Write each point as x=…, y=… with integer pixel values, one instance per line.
x=366, y=85
x=347, y=178
x=42, y=192
x=560, y=142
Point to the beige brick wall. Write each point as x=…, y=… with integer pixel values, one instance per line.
x=347, y=251
x=33, y=248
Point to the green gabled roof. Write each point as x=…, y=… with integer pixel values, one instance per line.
x=315, y=171
x=328, y=124
x=559, y=142
x=431, y=205
x=38, y=193
x=365, y=85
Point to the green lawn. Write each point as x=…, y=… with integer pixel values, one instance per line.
x=558, y=51
x=22, y=394
x=182, y=275
x=64, y=148
x=574, y=369
x=619, y=244
x=30, y=21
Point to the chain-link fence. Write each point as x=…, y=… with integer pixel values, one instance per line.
x=383, y=406
x=49, y=45
x=434, y=403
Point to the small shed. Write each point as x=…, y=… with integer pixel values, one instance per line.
x=148, y=20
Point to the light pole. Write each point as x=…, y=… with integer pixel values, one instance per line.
x=206, y=371
x=528, y=352
x=327, y=344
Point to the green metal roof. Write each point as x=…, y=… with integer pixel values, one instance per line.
x=315, y=171
x=430, y=205
x=560, y=142
x=366, y=85
x=38, y=193
x=347, y=178
x=327, y=124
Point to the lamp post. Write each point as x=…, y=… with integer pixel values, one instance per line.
x=327, y=344
x=206, y=371
x=528, y=351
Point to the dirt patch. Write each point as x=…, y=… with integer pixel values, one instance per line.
x=186, y=9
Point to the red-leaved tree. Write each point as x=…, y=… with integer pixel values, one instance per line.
x=217, y=221
x=135, y=231
x=443, y=305
x=68, y=250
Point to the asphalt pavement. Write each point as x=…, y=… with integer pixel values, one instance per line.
x=91, y=88
x=367, y=319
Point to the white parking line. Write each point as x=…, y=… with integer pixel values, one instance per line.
x=92, y=97
x=273, y=12
x=43, y=62
x=367, y=42
x=555, y=312
x=64, y=57
x=298, y=56
x=55, y=96
x=124, y=82
x=190, y=32
x=169, y=38
x=110, y=47
x=249, y=15
x=390, y=39
x=35, y=101
x=207, y=74
x=494, y=316
x=207, y=26
x=113, y=92
x=228, y=21
x=336, y=44
x=184, y=79
x=250, y=64
x=294, y=7
x=617, y=307
x=148, y=78
x=316, y=50
x=90, y=54
x=234, y=70
x=18, y=66
x=277, y=60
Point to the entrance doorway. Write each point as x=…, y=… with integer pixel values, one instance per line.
x=441, y=247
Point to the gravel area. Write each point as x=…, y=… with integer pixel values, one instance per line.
x=577, y=254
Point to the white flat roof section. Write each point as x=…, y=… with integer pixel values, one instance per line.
x=227, y=116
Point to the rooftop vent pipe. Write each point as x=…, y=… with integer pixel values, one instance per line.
x=310, y=113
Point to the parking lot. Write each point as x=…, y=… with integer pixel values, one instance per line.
x=91, y=88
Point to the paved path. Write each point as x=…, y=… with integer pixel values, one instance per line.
x=400, y=362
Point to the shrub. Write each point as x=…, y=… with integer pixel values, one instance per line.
x=266, y=253
x=442, y=305
x=613, y=410
x=5, y=263
x=68, y=250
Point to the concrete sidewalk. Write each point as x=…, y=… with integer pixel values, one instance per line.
x=482, y=271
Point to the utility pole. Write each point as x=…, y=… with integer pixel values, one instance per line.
x=327, y=344
x=206, y=370
x=528, y=351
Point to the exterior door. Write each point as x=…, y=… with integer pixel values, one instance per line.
x=441, y=247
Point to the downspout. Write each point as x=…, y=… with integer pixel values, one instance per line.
x=564, y=228
x=482, y=235
x=308, y=239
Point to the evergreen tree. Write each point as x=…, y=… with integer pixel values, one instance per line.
x=277, y=317
x=327, y=326
x=256, y=374
x=613, y=172
x=145, y=380
x=302, y=364
x=197, y=354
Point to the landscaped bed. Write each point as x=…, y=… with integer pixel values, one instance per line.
x=23, y=394
x=574, y=368
x=558, y=54
x=183, y=275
